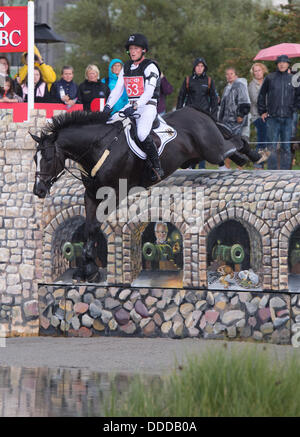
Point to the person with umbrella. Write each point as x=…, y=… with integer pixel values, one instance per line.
x=277, y=101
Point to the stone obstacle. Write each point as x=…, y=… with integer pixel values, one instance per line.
x=264, y=204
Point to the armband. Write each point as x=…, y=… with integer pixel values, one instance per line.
x=151, y=75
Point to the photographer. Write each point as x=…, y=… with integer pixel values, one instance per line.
x=47, y=72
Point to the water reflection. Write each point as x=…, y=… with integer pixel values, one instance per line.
x=26, y=392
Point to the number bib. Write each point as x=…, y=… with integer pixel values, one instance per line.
x=134, y=85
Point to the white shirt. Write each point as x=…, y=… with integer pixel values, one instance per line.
x=149, y=86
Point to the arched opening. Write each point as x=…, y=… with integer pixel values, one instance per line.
x=162, y=256
x=234, y=256
x=294, y=261
x=66, y=251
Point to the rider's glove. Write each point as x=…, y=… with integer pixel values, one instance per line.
x=128, y=112
x=106, y=112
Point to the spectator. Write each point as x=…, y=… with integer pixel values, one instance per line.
x=92, y=88
x=47, y=72
x=7, y=92
x=65, y=90
x=114, y=68
x=235, y=103
x=5, y=71
x=198, y=90
x=278, y=99
x=165, y=89
x=258, y=71
x=41, y=93
x=234, y=106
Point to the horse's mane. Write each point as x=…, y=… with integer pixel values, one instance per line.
x=68, y=119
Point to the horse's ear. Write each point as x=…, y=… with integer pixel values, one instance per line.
x=35, y=137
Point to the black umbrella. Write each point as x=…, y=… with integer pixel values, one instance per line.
x=44, y=34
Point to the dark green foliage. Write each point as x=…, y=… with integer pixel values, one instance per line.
x=225, y=33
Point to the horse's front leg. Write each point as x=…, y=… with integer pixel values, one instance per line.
x=90, y=269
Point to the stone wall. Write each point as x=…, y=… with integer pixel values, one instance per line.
x=24, y=242
x=83, y=311
x=20, y=227
x=266, y=203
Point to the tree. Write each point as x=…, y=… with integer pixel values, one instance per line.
x=279, y=26
x=178, y=32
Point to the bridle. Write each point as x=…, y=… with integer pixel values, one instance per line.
x=50, y=180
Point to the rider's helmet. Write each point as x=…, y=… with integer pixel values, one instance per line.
x=137, y=39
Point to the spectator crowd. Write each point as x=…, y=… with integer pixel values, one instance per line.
x=270, y=102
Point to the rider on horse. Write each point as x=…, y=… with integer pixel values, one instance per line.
x=141, y=79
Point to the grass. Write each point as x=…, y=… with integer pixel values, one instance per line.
x=220, y=384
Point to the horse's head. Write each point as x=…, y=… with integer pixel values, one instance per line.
x=49, y=162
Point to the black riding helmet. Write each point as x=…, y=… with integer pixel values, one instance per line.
x=137, y=39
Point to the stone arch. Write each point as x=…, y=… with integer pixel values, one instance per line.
x=283, y=244
x=131, y=248
x=249, y=221
x=65, y=193
x=49, y=233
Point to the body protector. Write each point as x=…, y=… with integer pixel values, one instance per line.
x=134, y=80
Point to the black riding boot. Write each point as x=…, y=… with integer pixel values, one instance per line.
x=149, y=148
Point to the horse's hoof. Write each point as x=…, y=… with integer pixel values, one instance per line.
x=264, y=156
x=94, y=278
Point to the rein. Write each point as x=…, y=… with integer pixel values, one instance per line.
x=50, y=181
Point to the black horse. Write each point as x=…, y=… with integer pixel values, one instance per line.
x=104, y=156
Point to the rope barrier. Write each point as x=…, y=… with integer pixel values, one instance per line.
x=272, y=142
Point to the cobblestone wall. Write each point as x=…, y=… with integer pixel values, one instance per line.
x=83, y=311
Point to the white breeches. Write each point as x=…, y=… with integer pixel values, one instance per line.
x=144, y=122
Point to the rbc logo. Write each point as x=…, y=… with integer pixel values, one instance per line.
x=4, y=19
x=6, y=37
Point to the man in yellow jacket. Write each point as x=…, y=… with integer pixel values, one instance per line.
x=47, y=72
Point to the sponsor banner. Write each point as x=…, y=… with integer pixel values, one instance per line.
x=13, y=29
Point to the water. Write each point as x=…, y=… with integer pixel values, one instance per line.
x=61, y=392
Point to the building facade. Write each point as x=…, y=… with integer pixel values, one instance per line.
x=47, y=11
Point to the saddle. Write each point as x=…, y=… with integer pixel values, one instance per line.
x=161, y=134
